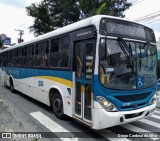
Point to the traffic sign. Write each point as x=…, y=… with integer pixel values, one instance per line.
x=7, y=41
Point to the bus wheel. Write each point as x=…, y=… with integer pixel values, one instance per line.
x=12, y=86
x=57, y=105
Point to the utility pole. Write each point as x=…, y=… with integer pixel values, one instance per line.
x=21, y=32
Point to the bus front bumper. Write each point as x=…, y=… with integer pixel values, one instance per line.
x=103, y=119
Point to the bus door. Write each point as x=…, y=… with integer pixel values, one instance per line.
x=84, y=56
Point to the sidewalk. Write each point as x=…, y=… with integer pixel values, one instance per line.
x=13, y=120
x=7, y=122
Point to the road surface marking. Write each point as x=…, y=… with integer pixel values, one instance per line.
x=156, y=111
x=55, y=127
x=137, y=129
x=51, y=125
x=146, y=121
x=155, y=116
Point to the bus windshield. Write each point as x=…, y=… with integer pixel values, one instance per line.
x=127, y=64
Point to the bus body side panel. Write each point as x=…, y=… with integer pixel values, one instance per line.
x=36, y=83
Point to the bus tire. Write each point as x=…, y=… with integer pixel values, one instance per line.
x=57, y=105
x=12, y=86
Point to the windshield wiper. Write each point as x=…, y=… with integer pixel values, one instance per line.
x=127, y=50
x=123, y=46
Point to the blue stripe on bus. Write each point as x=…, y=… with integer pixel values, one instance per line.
x=21, y=73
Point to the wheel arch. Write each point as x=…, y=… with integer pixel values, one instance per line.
x=52, y=90
x=11, y=79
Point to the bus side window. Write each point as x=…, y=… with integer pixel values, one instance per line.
x=19, y=57
x=54, y=52
x=30, y=56
x=64, y=50
x=22, y=57
x=41, y=56
x=36, y=56
x=25, y=56
x=59, y=52
x=11, y=59
x=15, y=57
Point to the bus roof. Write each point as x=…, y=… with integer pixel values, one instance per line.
x=69, y=28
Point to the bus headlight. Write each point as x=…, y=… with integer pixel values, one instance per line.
x=106, y=104
x=153, y=100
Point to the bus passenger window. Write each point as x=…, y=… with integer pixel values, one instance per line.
x=59, y=54
x=54, y=52
x=41, y=57
x=30, y=56
x=55, y=45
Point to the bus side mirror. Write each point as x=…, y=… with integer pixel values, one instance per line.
x=102, y=49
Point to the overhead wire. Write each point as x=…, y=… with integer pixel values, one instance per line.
x=136, y=2
x=152, y=21
x=148, y=17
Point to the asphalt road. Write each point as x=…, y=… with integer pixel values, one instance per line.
x=20, y=113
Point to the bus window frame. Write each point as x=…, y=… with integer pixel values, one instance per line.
x=69, y=52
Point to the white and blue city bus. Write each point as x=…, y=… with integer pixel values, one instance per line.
x=100, y=71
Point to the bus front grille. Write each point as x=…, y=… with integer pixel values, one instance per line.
x=128, y=116
x=132, y=97
x=133, y=106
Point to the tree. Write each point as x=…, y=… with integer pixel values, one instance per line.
x=63, y=12
x=52, y=14
x=106, y=7
x=42, y=19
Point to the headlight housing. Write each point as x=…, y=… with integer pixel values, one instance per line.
x=106, y=104
x=154, y=99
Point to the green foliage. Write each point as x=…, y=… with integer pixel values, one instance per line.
x=106, y=7
x=101, y=8
x=52, y=14
x=42, y=19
